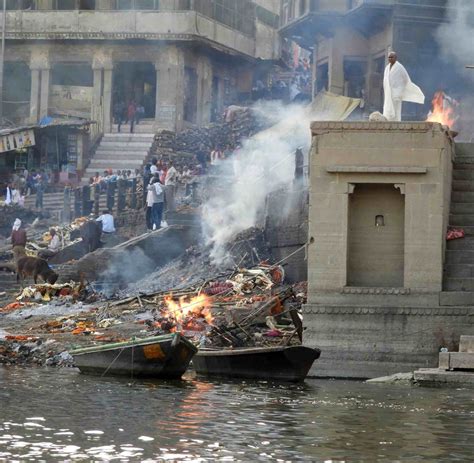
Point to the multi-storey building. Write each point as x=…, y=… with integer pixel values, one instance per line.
x=350, y=40
x=183, y=60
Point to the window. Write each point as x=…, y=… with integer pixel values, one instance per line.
x=74, y=74
x=137, y=4
x=64, y=5
x=238, y=15
x=20, y=5
x=267, y=17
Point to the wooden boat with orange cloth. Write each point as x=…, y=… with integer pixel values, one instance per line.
x=166, y=356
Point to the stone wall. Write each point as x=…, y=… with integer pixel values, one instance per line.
x=286, y=230
x=373, y=331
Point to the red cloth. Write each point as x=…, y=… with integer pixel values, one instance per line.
x=455, y=233
x=132, y=109
x=19, y=237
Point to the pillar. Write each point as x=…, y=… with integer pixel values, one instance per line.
x=204, y=90
x=44, y=95
x=34, y=95
x=336, y=68
x=170, y=88
x=107, y=99
x=101, y=110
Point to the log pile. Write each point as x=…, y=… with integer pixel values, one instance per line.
x=182, y=147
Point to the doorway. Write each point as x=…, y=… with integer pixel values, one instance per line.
x=376, y=236
x=135, y=82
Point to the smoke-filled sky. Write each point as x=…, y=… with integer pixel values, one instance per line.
x=456, y=36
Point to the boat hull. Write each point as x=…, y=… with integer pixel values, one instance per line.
x=158, y=357
x=276, y=363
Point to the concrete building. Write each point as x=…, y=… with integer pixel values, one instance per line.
x=183, y=60
x=350, y=40
x=385, y=292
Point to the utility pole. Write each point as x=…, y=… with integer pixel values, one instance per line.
x=2, y=58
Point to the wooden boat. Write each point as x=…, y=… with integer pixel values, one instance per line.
x=165, y=356
x=277, y=363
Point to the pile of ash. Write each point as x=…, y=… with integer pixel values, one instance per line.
x=195, y=266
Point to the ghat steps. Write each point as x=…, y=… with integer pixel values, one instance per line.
x=118, y=151
x=459, y=262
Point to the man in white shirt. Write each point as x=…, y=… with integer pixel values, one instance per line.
x=53, y=248
x=154, y=200
x=170, y=187
x=154, y=168
x=398, y=87
x=107, y=220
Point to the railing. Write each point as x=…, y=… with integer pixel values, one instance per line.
x=119, y=196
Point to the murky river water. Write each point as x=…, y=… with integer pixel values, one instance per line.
x=60, y=415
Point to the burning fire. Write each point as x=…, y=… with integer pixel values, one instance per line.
x=186, y=309
x=443, y=110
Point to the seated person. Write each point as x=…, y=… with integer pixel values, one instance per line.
x=53, y=248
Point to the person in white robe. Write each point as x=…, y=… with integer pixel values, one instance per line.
x=398, y=88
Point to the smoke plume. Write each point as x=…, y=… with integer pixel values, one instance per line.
x=263, y=164
x=456, y=35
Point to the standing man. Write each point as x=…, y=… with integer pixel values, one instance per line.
x=108, y=227
x=170, y=187
x=40, y=187
x=18, y=240
x=131, y=114
x=398, y=87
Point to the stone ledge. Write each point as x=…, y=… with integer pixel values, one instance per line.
x=418, y=311
x=376, y=170
x=318, y=127
x=360, y=290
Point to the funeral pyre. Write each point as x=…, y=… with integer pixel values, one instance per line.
x=250, y=307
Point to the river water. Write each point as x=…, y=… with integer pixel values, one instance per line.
x=61, y=415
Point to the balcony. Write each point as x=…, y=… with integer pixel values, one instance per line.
x=125, y=25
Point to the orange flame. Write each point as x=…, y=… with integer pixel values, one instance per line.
x=441, y=112
x=195, y=307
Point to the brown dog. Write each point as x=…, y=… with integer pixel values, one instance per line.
x=34, y=267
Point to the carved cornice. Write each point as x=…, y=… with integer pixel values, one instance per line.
x=384, y=291
x=98, y=35
x=414, y=311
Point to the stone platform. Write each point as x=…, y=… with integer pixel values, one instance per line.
x=371, y=341
x=454, y=369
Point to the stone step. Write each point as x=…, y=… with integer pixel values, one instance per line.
x=115, y=164
x=126, y=146
x=463, y=185
x=460, y=220
x=140, y=128
x=458, y=284
x=459, y=257
x=456, y=298
x=129, y=136
x=464, y=163
x=459, y=271
x=462, y=208
x=456, y=360
x=466, y=243
x=462, y=197
x=108, y=153
x=463, y=174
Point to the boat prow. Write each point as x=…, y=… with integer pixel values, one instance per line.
x=276, y=363
x=165, y=356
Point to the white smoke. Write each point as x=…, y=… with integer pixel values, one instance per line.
x=264, y=164
x=456, y=35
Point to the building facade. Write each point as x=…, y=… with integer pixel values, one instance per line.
x=350, y=40
x=182, y=60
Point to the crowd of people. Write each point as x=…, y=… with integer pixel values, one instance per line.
x=25, y=183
